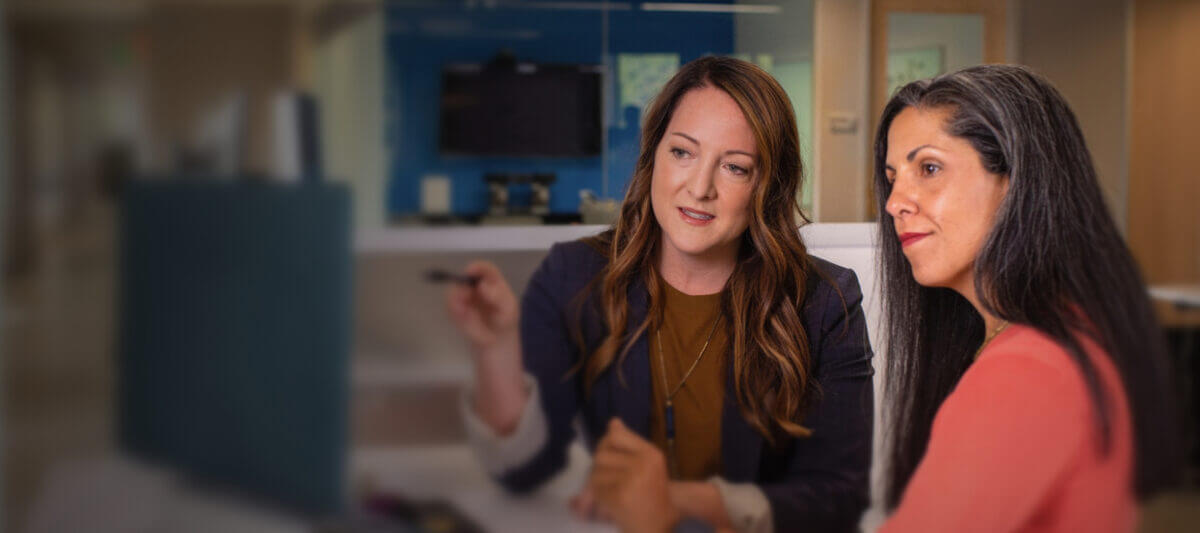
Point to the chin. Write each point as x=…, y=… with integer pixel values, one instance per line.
x=927, y=279
x=696, y=247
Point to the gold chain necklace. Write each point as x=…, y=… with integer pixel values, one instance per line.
x=669, y=407
x=989, y=337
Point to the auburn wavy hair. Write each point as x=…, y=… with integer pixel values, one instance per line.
x=763, y=298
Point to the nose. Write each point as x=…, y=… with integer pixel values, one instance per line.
x=702, y=181
x=901, y=201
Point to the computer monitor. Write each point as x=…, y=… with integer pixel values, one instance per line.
x=235, y=301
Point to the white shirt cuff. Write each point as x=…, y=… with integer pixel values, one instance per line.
x=746, y=505
x=498, y=454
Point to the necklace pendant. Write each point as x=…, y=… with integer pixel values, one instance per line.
x=669, y=408
x=670, y=421
x=672, y=460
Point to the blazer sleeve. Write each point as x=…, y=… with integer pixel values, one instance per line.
x=548, y=354
x=826, y=486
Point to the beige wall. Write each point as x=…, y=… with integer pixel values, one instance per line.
x=76, y=88
x=1081, y=46
x=348, y=80
x=840, y=67
x=199, y=54
x=1164, y=185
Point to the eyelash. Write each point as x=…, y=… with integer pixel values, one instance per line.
x=925, y=171
x=739, y=170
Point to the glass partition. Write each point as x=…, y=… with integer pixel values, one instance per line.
x=564, y=81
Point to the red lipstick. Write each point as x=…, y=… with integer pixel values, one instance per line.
x=909, y=238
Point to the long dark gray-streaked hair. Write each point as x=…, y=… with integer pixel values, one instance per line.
x=1054, y=261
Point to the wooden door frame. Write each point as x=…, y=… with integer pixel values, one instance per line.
x=995, y=43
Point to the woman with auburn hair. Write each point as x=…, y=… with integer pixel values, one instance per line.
x=722, y=374
x=1027, y=378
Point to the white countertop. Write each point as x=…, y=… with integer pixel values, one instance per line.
x=115, y=493
x=451, y=473
x=468, y=238
x=517, y=238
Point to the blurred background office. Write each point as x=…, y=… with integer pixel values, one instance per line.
x=217, y=214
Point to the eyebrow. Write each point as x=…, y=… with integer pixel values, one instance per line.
x=908, y=157
x=686, y=136
x=693, y=139
x=914, y=151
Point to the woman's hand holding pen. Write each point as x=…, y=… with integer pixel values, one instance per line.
x=629, y=482
x=485, y=309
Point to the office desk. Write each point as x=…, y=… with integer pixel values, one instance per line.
x=1187, y=296
x=452, y=474
x=1179, y=311
x=118, y=493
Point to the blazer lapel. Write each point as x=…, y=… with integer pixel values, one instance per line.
x=632, y=401
x=741, y=445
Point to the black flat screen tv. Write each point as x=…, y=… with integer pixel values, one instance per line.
x=521, y=110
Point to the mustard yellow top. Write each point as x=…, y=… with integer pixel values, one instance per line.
x=687, y=321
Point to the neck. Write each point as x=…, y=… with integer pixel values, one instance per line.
x=967, y=290
x=696, y=275
x=991, y=325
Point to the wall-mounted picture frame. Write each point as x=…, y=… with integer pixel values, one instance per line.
x=904, y=66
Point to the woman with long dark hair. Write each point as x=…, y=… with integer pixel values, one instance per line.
x=711, y=358
x=1027, y=380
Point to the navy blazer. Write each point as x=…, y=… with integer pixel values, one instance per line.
x=818, y=483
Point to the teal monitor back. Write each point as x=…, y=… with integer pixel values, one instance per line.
x=234, y=335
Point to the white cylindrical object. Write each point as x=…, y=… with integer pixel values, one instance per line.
x=435, y=194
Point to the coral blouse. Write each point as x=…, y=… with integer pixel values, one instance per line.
x=1016, y=447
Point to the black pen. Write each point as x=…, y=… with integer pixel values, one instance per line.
x=438, y=275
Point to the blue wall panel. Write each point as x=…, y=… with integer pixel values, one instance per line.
x=420, y=40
